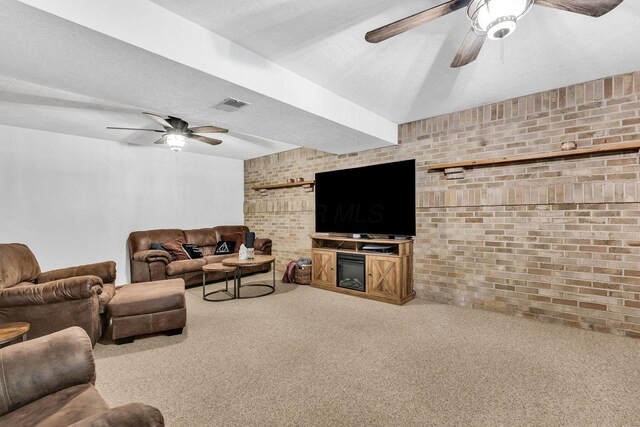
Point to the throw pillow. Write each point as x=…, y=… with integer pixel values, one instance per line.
x=250, y=237
x=157, y=246
x=239, y=238
x=175, y=249
x=192, y=251
x=225, y=247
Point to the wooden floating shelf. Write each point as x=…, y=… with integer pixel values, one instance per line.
x=310, y=184
x=605, y=148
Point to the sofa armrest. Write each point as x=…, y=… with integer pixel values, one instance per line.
x=39, y=367
x=73, y=288
x=153, y=255
x=263, y=245
x=129, y=415
x=105, y=270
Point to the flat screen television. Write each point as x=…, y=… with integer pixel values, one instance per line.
x=377, y=200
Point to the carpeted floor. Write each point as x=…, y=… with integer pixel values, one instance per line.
x=309, y=357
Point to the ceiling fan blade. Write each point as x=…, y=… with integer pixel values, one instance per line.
x=160, y=120
x=206, y=140
x=208, y=129
x=148, y=130
x=469, y=50
x=410, y=22
x=161, y=140
x=595, y=8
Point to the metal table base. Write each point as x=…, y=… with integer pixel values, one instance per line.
x=230, y=296
x=238, y=283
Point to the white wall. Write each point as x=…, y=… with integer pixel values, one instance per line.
x=74, y=200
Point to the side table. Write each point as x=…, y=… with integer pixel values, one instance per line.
x=11, y=331
x=258, y=260
x=218, y=268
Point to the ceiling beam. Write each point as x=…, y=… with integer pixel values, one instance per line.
x=146, y=25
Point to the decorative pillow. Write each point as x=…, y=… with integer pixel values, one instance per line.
x=250, y=237
x=175, y=249
x=239, y=238
x=225, y=247
x=157, y=246
x=192, y=251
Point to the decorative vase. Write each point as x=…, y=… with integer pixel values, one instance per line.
x=242, y=253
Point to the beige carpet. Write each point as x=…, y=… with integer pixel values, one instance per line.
x=308, y=357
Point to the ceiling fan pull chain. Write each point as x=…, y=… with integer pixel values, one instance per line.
x=502, y=51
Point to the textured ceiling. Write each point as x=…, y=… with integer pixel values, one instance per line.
x=408, y=77
x=63, y=77
x=28, y=105
x=73, y=77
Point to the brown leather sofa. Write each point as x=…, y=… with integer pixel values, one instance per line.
x=49, y=381
x=151, y=264
x=57, y=299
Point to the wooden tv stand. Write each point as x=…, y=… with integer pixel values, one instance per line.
x=388, y=276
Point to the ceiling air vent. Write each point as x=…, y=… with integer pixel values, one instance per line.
x=230, y=104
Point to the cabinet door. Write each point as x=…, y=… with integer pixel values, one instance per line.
x=323, y=267
x=384, y=276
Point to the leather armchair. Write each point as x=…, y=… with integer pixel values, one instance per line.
x=50, y=381
x=57, y=299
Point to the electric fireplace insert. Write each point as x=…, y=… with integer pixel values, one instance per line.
x=351, y=272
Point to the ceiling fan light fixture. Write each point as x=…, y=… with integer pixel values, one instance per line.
x=497, y=18
x=501, y=27
x=175, y=141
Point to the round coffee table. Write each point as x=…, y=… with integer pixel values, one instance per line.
x=218, y=268
x=257, y=260
x=11, y=331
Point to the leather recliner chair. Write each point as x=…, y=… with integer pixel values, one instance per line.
x=49, y=381
x=57, y=299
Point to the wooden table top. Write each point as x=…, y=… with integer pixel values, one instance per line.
x=258, y=260
x=218, y=266
x=11, y=331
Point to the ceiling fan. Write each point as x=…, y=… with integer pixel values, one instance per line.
x=495, y=19
x=177, y=131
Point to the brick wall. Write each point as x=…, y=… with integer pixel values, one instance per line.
x=556, y=240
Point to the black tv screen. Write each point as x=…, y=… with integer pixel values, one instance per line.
x=378, y=199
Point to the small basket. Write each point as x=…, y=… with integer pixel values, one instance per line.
x=302, y=276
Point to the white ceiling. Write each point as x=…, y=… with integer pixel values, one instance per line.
x=408, y=77
x=71, y=67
